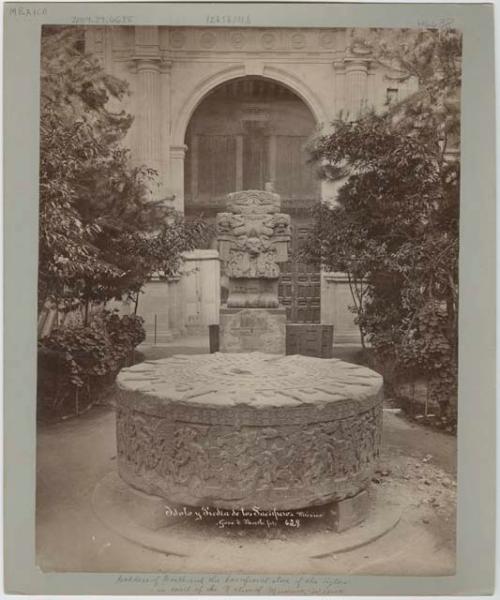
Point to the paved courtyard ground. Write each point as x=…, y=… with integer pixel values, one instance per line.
x=418, y=467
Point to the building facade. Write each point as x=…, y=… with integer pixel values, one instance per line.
x=219, y=110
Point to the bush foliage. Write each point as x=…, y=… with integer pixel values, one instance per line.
x=394, y=228
x=76, y=365
x=102, y=233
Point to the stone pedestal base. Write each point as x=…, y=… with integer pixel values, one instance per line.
x=154, y=523
x=351, y=511
x=253, y=293
x=253, y=329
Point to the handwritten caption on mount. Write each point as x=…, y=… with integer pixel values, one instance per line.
x=234, y=584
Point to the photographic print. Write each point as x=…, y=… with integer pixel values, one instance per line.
x=249, y=287
x=248, y=294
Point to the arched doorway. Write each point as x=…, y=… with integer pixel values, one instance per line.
x=245, y=134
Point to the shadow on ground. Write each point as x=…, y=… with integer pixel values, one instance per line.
x=200, y=345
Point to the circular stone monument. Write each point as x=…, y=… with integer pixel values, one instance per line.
x=248, y=430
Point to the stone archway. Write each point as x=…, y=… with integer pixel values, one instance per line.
x=247, y=133
x=271, y=73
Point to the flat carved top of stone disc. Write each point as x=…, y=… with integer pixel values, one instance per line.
x=253, y=379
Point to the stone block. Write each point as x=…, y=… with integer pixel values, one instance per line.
x=213, y=338
x=245, y=430
x=252, y=329
x=253, y=293
x=146, y=510
x=351, y=511
x=309, y=339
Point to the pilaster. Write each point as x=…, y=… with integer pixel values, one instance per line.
x=165, y=126
x=148, y=117
x=193, y=151
x=339, y=100
x=148, y=113
x=239, y=163
x=356, y=77
x=272, y=159
x=176, y=180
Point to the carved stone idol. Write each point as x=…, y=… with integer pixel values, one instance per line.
x=253, y=239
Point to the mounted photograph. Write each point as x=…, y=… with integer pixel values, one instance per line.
x=248, y=300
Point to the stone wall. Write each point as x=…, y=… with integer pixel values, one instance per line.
x=201, y=290
x=162, y=308
x=186, y=305
x=336, y=299
x=171, y=70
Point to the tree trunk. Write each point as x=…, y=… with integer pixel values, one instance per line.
x=86, y=304
x=86, y=313
x=358, y=305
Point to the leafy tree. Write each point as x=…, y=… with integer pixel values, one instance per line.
x=394, y=228
x=101, y=234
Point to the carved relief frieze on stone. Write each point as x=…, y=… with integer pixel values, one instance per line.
x=297, y=41
x=236, y=39
x=233, y=39
x=327, y=39
x=249, y=429
x=177, y=39
x=359, y=44
x=269, y=40
x=191, y=463
x=253, y=239
x=208, y=40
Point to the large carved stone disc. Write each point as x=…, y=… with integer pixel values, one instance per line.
x=242, y=430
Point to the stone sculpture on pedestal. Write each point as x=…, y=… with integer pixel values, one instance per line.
x=248, y=426
x=244, y=430
x=253, y=240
